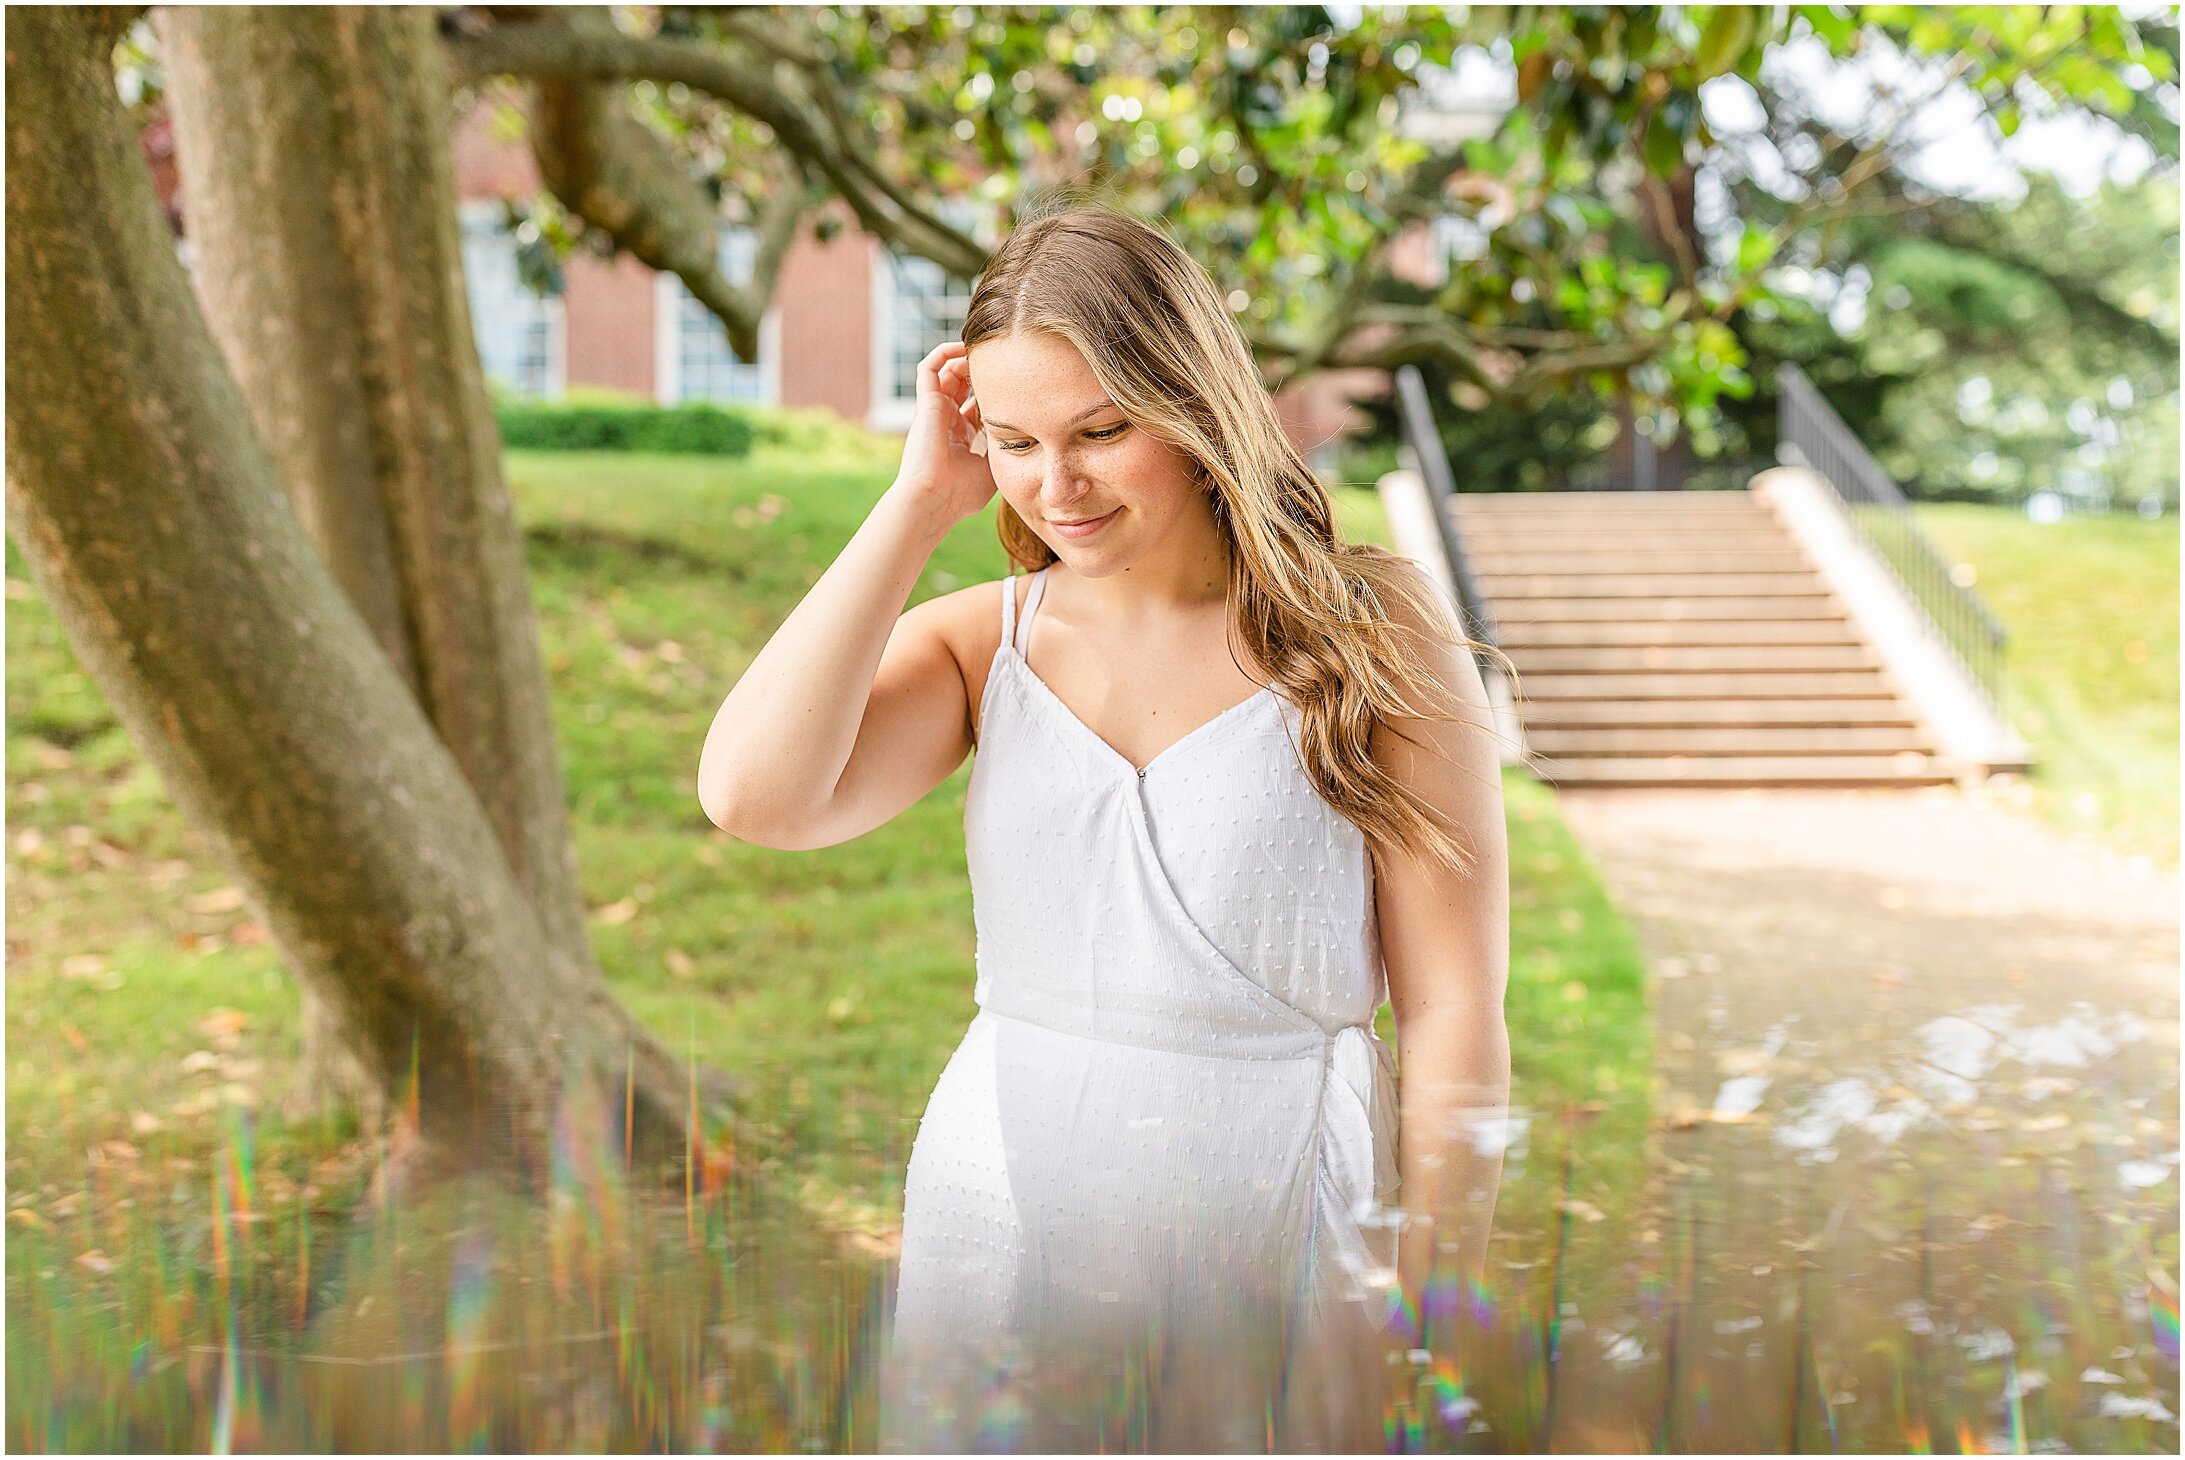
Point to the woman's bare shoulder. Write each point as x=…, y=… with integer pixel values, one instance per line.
x=968, y=621
x=968, y=618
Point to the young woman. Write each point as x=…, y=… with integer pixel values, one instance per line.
x=1234, y=783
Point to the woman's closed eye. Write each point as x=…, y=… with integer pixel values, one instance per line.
x=1107, y=433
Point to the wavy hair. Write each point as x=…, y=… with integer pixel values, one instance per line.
x=1312, y=608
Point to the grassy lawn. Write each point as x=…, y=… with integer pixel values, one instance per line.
x=151, y=1029
x=2091, y=608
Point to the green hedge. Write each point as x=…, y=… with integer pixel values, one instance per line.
x=693, y=428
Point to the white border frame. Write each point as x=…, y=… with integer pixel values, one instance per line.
x=667, y=354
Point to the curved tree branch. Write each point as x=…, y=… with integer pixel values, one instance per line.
x=581, y=44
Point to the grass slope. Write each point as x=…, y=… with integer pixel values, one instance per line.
x=2091, y=608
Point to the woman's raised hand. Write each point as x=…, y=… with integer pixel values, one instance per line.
x=944, y=456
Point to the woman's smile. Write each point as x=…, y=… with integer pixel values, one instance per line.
x=1083, y=526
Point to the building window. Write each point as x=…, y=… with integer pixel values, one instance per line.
x=520, y=334
x=917, y=304
x=695, y=362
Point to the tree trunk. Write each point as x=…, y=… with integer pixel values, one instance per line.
x=414, y=883
x=1667, y=218
x=320, y=205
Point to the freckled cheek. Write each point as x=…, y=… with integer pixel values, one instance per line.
x=1019, y=477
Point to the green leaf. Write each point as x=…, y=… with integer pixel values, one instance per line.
x=1664, y=149
x=1755, y=248
x=1835, y=30
x=1729, y=30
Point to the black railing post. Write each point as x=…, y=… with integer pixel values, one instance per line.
x=1441, y=491
x=1877, y=507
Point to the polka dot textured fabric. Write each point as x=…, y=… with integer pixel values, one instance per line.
x=1150, y=1202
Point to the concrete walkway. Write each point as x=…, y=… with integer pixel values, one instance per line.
x=1917, y=1124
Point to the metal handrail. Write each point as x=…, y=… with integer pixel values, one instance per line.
x=1424, y=439
x=1814, y=436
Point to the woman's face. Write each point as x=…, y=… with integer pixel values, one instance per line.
x=1062, y=454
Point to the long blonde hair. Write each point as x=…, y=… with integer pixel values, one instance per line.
x=1311, y=608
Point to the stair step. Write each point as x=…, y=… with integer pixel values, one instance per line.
x=1632, y=714
x=1686, y=658
x=1500, y=586
x=1647, y=609
x=1501, y=526
x=1609, y=633
x=1550, y=561
x=1480, y=541
x=1754, y=518
x=1745, y=740
x=1845, y=684
x=1496, y=508
x=1741, y=500
x=1683, y=639
x=1907, y=768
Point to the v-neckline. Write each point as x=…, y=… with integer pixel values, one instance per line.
x=1137, y=771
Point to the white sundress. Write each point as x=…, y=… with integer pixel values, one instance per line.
x=1149, y=1204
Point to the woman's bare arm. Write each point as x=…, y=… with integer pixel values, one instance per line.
x=781, y=743
x=1445, y=939
x=854, y=708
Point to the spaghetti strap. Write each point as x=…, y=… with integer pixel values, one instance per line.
x=1022, y=637
x=1008, y=608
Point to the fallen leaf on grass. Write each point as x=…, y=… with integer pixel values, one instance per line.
x=221, y=1023
x=615, y=913
x=75, y=1037
x=96, y=1261
x=219, y=900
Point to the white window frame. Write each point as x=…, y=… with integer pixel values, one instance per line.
x=669, y=292
x=488, y=211
x=889, y=411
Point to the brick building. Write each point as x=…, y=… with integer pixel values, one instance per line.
x=850, y=319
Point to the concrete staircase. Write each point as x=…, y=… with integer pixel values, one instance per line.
x=1684, y=638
